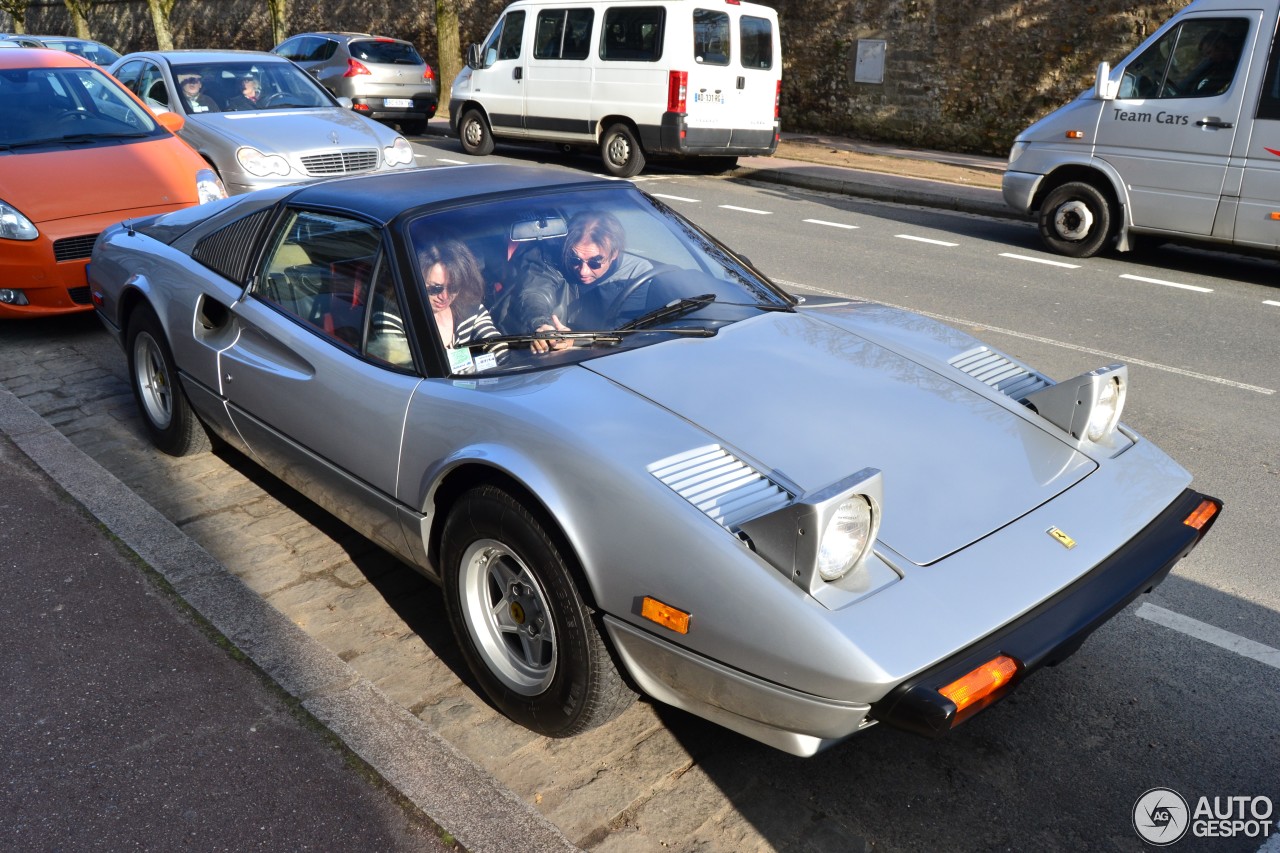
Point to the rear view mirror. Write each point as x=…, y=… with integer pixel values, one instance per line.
x=171, y=122
x=1103, y=88
x=345, y=102
x=473, y=57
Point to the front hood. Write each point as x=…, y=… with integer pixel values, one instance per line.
x=292, y=131
x=811, y=403
x=47, y=185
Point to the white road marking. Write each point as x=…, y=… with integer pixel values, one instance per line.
x=958, y=321
x=451, y=162
x=1271, y=302
x=675, y=197
x=746, y=209
x=832, y=224
x=1167, y=283
x=925, y=240
x=1215, y=636
x=1046, y=261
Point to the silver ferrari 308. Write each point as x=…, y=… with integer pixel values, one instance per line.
x=636, y=464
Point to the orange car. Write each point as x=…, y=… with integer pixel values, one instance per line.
x=78, y=152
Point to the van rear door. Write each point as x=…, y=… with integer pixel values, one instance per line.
x=1170, y=131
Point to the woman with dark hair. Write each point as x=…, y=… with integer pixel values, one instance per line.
x=454, y=289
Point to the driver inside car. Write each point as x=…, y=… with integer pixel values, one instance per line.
x=593, y=270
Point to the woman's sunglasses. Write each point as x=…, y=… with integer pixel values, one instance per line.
x=436, y=289
x=595, y=263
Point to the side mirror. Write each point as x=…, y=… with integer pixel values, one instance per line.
x=473, y=57
x=1103, y=88
x=172, y=122
x=345, y=102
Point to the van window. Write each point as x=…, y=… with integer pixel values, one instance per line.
x=710, y=37
x=1196, y=59
x=504, y=42
x=563, y=34
x=757, y=42
x=633, y=34
x=1269, y=100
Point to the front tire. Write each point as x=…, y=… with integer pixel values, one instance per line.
x=523, y=628
x=474, y=133
x=621, y=152
x=1075, y=220
x=168, y=417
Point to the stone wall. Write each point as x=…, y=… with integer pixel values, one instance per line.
x=962, y=75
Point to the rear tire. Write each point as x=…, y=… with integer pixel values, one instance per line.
x=474, y=133
x=621, y=152
x=1075, y=220
x=524, y=630
x=168, y=417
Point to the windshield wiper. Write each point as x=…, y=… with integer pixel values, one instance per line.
x=597, y=336
x=670, y=311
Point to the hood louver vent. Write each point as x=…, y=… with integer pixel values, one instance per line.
x=1000, y=372
x=724, y=487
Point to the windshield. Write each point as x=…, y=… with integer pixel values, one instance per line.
x=544, y=280
x=247, y=86
x=84, y=105
x=386, y=52
x=99, y=54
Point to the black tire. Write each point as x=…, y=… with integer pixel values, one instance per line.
x=474, y=133
x=523, y=628
x=621, y=152
x=414, y=127
x=167, y=415
x=1075, y=220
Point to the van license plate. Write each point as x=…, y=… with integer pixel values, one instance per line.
x=397, y=102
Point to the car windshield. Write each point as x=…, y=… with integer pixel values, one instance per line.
x=99, y=54
x=385, y=51
x=568, y=276
x=247, y=86
x=68, y=105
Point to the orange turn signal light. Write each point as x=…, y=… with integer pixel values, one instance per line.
x=980, y=683
x=1200, y=517
x=665, y=615
x=1275, y=214
x=1075, y=134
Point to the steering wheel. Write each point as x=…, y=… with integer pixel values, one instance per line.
x=68, y=115
x=613, y=313
x=275, y=98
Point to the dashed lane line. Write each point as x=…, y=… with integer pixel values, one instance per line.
x=675, y=198
x=1044, y=261
x=1271, y=302
x=1167, y=283
x=747, y=209
x=831, y=224
x=924, y=240
x=958, y=321
x=1210, y=634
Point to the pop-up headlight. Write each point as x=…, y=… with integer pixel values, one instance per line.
x=1087, y=407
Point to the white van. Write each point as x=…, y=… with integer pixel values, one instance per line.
x=634, y=77
x=1181, y=140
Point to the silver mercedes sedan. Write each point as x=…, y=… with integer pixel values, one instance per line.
x=636, y=464
x=259, y=119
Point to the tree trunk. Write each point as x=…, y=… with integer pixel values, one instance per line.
x=279, y=20
x=17, y=9
x=448, y=47
x=160, y=11
x=79, y=19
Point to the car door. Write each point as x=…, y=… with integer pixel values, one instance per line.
x=321, y=371
x=1255, y=222
x=499, y=83
x=1171, y=130
x=713, y=96
x=558, y=78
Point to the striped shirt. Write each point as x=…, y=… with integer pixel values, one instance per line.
x=478, y=327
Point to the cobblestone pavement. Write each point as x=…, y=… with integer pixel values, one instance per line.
x=654, y=779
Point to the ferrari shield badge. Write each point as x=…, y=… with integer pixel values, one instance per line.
x=1063, y=539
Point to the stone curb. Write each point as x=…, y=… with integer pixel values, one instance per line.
x=452, y=790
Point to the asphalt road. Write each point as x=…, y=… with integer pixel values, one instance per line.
x=1178, y=691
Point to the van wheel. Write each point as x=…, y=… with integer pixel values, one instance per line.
x=474, y=133
x=1075, y=220
x=621, y=152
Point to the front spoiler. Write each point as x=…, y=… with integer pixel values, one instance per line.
x=1049, y=633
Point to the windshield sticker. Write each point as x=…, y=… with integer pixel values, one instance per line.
x=460, y=361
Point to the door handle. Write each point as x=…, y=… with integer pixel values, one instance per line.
x=517, y=73
x=742, y=82
x=1208, y=122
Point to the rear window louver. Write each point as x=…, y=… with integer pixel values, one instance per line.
x=1000, y=372
x=229, y=251
x=724, y=487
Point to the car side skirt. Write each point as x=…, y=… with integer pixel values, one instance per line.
x=1051, y=632
x=794, y=722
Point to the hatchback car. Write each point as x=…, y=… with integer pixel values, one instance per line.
x=794, y=517
x=385, y=78
x=260, y=120
x=96, y=52
x=77, y=153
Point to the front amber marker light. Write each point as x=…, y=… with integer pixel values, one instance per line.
x=974, y=686
x=1202, y=514
x=665, y=615
x=1075, y=134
